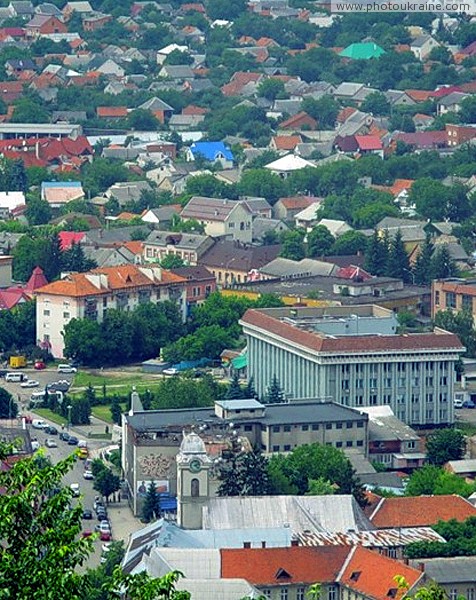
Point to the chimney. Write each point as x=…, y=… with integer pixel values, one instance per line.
x=421, y=567
x=294, y=542
x=37, y=149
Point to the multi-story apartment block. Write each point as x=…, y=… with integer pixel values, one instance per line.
x=151, y=439
x=89, y=296
x=187, y=246
x=355, y=356
x=453, y=294
x=230, y=218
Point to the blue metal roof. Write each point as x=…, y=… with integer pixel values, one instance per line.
x=60, y=184
x=211, y=150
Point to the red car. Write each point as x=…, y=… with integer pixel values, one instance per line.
x=40, y=365
x=105, y=536
x=86, y=534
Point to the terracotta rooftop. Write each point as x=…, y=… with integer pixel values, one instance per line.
x=111, y=111
x=297, y=202
x=352, y=344
x=420, y=511
x=121, y=277
x=458, y=288
x=286, y=142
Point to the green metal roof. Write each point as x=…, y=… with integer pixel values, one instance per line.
x=362, y=51
x=240, y=362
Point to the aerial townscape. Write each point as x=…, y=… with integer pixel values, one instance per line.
x=237, y=301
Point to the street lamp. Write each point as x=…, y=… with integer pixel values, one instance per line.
x=69, y=407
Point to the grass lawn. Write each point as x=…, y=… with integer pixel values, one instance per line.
x=103, y=412
x=51, y=416
x=83, y=379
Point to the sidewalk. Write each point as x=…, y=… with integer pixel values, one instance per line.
x=123, y=522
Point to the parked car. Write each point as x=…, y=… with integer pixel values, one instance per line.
x=64, y=368
x=73, y=440
x=86, y=533
x=458, y=403
x=105, y=536
x=76, y=489
x=469, y=404
x=38, y=424
x=49, y=443
x=87, y=514
x=39, y=365
x=103, y=526
x=170, y=371
x=35, y=445
x=64, y=435
x=88, y=475
x=50, y=430
x=58, y=386
x=30, y=383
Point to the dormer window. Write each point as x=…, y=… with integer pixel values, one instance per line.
x=282, y=574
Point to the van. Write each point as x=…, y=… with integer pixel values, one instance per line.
x=38, y=424
x=37, y=397
x=65, y=368
x=15, y=377
x=458, y=403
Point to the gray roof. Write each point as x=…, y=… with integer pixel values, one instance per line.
x=290, y=107
x=109, y=257
x=244, y=404
x=69, y=115
x=396, y=223
x=105, y=237
x=380, y=538
x=284, y=267
x=190, y=241
x=463, y=466
x=237, y=256
x=387, y=427
x=155, y=104
x=178, y=71
x=257, y=204
x=215, y=209
x=450, y=570
x=420, y=41
x=384, y=480
x=261, y=225
x=128, y=190
x=299, y=513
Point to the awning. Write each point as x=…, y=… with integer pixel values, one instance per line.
x=240, y=362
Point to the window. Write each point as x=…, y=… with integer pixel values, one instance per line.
x=373, y=382
x=360, y=443
x=359, y=400
x=195, y=488
x=287, y=428
x=470, y=594
x=443, y=380
x=301, y=591
x=315, y=426
x=359, y=383
x=373, y=399
x=305, y=427
x=350, y=424
x=66, y=315
x=437, y=298
x=284, y=593
x=46, y=313
x=276, y=429
x=287, y=448
x=453, y=594
x=392, y=552
x=450, y=300
x=467, y=303
x=338, y=444
x=338, y=425
x=328, y=425
x=410, y=445
x=332, y=592
x=360, y=424
x=267, y=593
x=231, y=225
x=248, y=428
x=275, y=448
x=104, y=302
x=345, y=384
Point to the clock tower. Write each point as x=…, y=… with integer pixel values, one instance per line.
x=193, y=473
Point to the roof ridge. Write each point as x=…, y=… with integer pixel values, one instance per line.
x=346, y=563
x=377, y=508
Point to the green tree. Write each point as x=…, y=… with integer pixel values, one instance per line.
x=74, y=259
x=235, y=390
x=106, y=483
x=38, y=212
x=461, y=323
x=320, y=241
x=398, y=264
x=433, y=480
x=376, y=256
x=430, y=198
x=8, y=408
x=442, y=265
x=324, y=110
x=274, y=392
x=142, y=120
x=422, y=270
x=468, y=110
x=444, y=445
x=262, y=183
x=172, y=261
x=243, y=473
x=271, y=89
x=116, y=410
x=28, y=111
x=320, y=487
x=39, y=528
x=377, y=104
x=293, y=245
x=350, y=242
x=151, y=505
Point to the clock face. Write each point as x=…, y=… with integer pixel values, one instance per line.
x=195, y=465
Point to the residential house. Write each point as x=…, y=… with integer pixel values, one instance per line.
x=111, y=238
x=287, y=164
x=111, y=112
x=11, y=204
x=89, y=295
x=185, y=122
x=11, y=91
x=190, y=247
x=69, y=218
x=15, y=66
x=335, y=226
x=422, y=45
x=261, y=226
x=227, y=218
x=81, y=7
x=212, y=152
x=163, y=53
x=127, y=191
x=307, y=218
x=450, y=103
x=285, y=143
x=298, y=122
x=465, y=467
x=43, y=25
x=422, y=121
x=95, y=21
x=420, y=511
x=457, y=134
x=337, y=332
x=362, y=51
x=21, y=8
x=392, y=442
x=341, y=572
x=369, y=144
x=399, y=98
x=286, y=209
x=353, y=92
x=160, y=109
x=233, y=262
x=453, y=294
x=162, y=216
x=200, y=284
x=259, y=207
x=110, y=68
x=285, y=268
x=413, y=232
x=59, y=193
x=49, y=9
x=242, y=84
x=455, y=575
x=179, y=73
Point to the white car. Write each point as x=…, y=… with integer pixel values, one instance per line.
x=88, y=475
x=170, y=371
x=35, y=445
x=66, y=369
x=49, y=443
x=30, y=383
x=75, y=488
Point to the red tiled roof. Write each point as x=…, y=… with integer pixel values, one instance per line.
x=286, y=142
x=191, y=109
x=372, y=574
x=238, y=82
x=445, y=91
x=423, y=139
x=351, y=344
x=419, y=95
x=353, y=272
x=269, y=566
x=111, y=111
x=133, y=246
x=295, y=119
x=345, y=113
x=420, y=511
x=297, y=202
x=369, y=142
x=11, y=297
x=68, y=238
x=37, y=280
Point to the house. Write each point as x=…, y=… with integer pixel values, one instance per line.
x=95, y=21
x=233, y=262
x=82, y=7
x=212, y=152
x=228, y=218
x=44, y=25
x=422, y=45
x=90, y=294
x=264, y=225
x=422, y=121
x=11, y=204
x=259, y=207
x=163, y=53
x=464, y=468
x=336, y=227
x=242, y=84
x=21, y=8
x=420, y=511
x=68, y=238
x=350, y=91
x=456, y=134
x=392, y=442
x=423, y=140
x=11, y=91
x=177, y=72
x=341, y=572
x=336, y=334
x=453, y=294
x=287, y=164
x=162, y=216
x=307, y=218
x=160, y=109
x=413, y=232
x=127, y=191
x=455, y=575
x=59, y=193
x=285, y=143
x=362, y=51
x=286, y=209
x=369, y=144
x=16, y=66
x=298, y=122
x=110, y=68
x=450, y=103
x=189, y=247
x=111, y=112
x=399, y=98
x=200, y=284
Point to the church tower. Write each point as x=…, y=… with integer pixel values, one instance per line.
x=193, y=474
